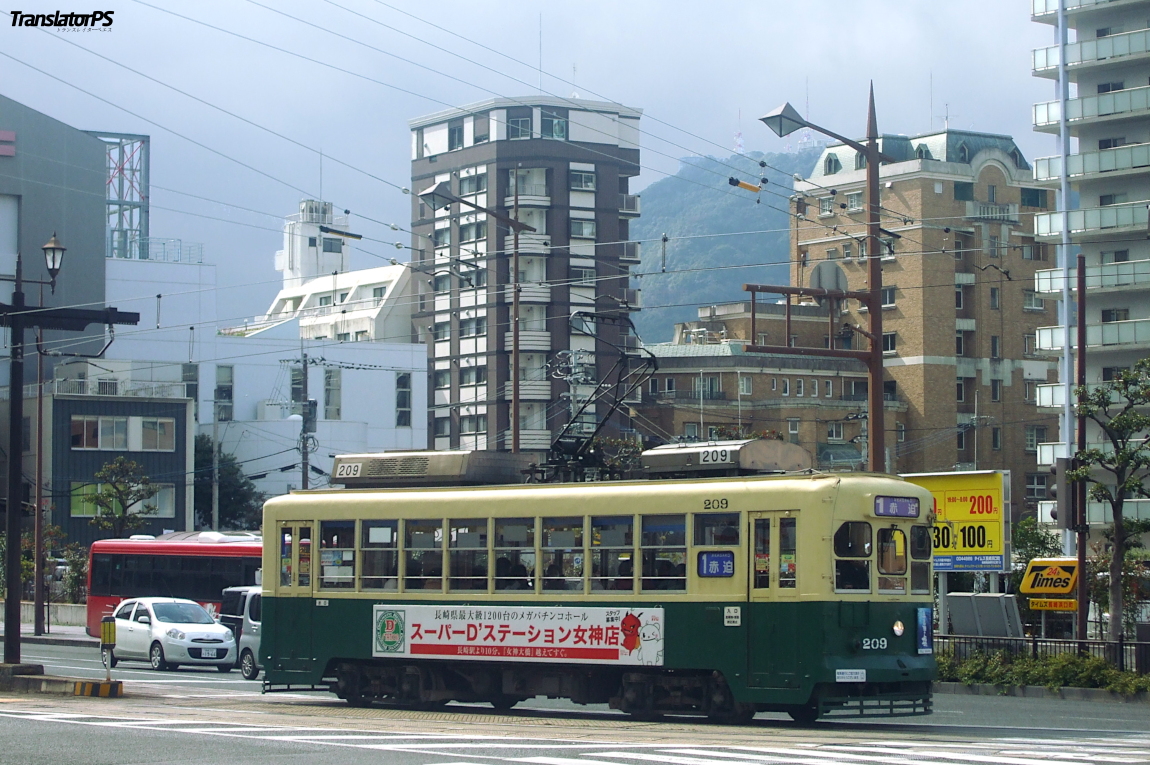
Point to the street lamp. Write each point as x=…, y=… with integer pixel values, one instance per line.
x=53, y=258
x=785, y=120
x=440, y=196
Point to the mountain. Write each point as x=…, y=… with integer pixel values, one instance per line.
x=706, y=220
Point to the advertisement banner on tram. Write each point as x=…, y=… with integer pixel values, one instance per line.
x=971, y=530
x=520, y=633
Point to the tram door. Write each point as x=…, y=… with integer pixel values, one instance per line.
x=773, y=608
x=293, y=634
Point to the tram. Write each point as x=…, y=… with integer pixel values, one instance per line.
x=806, y=594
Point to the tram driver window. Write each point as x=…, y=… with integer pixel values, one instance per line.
x=713, y=529
x=664, y=552
x=892, y=561
x=612, y=553
x=379, y=558
x=853, y=540
x=468, y=559
x=515, y=554
x=563, y=555
x=336, y=555
x=920, y=552
x=423, y=543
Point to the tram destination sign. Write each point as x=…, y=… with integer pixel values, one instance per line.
x=970, y=528
x=520, y=633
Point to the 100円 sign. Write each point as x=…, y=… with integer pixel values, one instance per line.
x=969, y=532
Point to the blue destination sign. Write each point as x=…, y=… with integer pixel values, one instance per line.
x=968, y=563
x=721, y=563
x=896, y=507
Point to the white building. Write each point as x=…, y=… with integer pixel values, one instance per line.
x=1108, y=113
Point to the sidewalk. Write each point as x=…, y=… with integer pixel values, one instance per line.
x=56, y=635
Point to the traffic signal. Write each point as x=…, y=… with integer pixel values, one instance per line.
x=1059, y=491
x=310, y=411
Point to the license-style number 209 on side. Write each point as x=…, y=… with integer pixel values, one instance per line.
x=873, y=644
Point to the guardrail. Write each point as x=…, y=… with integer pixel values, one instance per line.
x=1122, y=654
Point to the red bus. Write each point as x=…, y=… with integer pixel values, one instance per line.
x=196, y=565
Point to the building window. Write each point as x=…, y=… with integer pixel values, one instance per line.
x=441, y=379
x=1110, y=315
x=653, y=386
x=834, y=431
x=324, y=300
x=888, y=297
x=995, y=347
x=190, y=374
x=225, y=388
x=958, y=298
x=889, y=342
x=332, y=393
x=827, y=206
x=311, y=241
x=793, y=431
x=959, y=344
x=583, y=276
x=553, y=126
x=1106, y=200
x=472, y=184
x=799, y=387
x=441, y=283
x=887, y=245
x=441, y=237
x=441, y=330
x=582, y=229
x=81, y=504
x=1029, y=390
x=831, y=165
x=482, y=127
x=670, y=384
x=992, y=246
x=832, y=253
x=1111, y=143
x=995, y=298
x=476, y=375
x=960, y=390
x=331, y=244
x=786, y=386
x=472, y=424
x=774, y=381
x=691, y=431
x=963, y=153
x=1109, y=374
x=960, y=442
x=378, y=294
x=1035, y=435
x=158, y=434
x=996, y=390
x=1110, y=87
x=1033, y=197
x=847, y=251
x=1115, y=256
x=581, y=181
x=996, y=439
x=454, y=137
x=963, y=190
x=518, y=128
x=473, y=327
x=855, y=201
x=744, y=385
x=992, y=194
x=1036, y=485
x=860, y=161
x=403, y=400
x=862, y=249
x=104, y=433
x=1031, y=301
x=900, y=432
x=828, y=388
x=474, y=231
x=442, y=427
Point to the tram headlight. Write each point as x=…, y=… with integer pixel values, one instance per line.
x=898, y=629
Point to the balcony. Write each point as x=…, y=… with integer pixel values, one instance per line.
x=1053, y=395
x=1094, y=164
x=1125, y=335
x=992, y=212
x=529, y=292
x=629, y=205
x=529, y=340
x=689, y=395
x=1118, y=104
x=630, y=253
x=1099, y=513
x=530, y=195
x=348, y=307
x=530, y=440
x=1047, y=10
x=1119, y=49
x=1094, y=221
x=530, y=390
x=530, y=244
x=110, y=387
x=1108, y=276
x=1048, y=452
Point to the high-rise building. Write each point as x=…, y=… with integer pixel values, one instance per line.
x=960, y=313
x=561, y=166
x=1107, y=61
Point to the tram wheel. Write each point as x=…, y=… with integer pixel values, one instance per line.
x=805, y=714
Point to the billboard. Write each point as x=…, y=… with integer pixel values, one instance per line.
x=971, y=523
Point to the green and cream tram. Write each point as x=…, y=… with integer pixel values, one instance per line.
x=808, y=595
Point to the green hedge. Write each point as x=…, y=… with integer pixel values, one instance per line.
x=1053, y=672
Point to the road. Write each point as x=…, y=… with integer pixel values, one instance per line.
x=200, y=716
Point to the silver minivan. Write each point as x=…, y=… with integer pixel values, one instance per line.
x=240, y=611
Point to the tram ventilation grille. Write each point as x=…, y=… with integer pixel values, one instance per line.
x=399, y=466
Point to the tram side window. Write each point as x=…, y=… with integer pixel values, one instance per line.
x=468, y=557
x=379, y=559
x=612, y=553
x=336, y=555
x=515, y=554
x=423, y=543
x=563, y=554
x=892, y=561
x=920, y=553
x=713, y=529
x=762, y=553
x=853, y=540
x=664, y=552
x=788, y=553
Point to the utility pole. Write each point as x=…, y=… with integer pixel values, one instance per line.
x=1082, y=520
x=215, y=464
x=38, y=527
x=303, y=433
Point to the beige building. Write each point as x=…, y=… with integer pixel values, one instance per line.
x=960, y=313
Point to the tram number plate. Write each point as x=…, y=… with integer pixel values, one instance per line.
x=348, y=470
x=850, y=675
x=207, y=653
x=715, y=456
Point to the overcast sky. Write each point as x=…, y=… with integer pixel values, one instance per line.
x=706, y=68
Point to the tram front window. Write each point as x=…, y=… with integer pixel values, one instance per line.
x=892, y=561
x=515, y=554
x=612, y=553
x=468, y=555
x=853, y=540
x=664, y=552
x=921, y=549
x=563, y=555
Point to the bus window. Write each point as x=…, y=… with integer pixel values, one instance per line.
x=515, y=553
x=852, y=540
x=762, y=553
x=101, y=575
x=788, y=553
x=336, y=555
x=664, y=552
x=892, y=561
x=378, y=560
x=285, y=557
x=563, y=554
x=423, y=543
x=612, y=553
x=468, y=557
x=712, y=529
x=305, y=556
x=921, y=550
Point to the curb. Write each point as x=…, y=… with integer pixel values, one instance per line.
x=100, y=689
x=76, y=642
x=1041, y=692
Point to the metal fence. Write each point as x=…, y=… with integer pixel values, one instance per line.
x=1123, y=654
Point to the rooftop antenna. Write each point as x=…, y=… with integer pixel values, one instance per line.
x=574, y=93
x=540, y=54
x=930, y=114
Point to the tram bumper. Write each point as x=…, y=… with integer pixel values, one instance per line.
x=894, y=699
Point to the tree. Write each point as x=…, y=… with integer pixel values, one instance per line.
x=1028, y=540
x=737, y=433
x=1119, y=468
x=241, y=503
x=122, y=490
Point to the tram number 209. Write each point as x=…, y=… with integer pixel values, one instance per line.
x=873, y=644
x=715, y=456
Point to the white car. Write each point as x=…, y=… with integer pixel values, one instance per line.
x=168, y=632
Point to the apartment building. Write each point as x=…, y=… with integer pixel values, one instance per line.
x=561, y=166
x=1107, y=62
x=960, y=312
